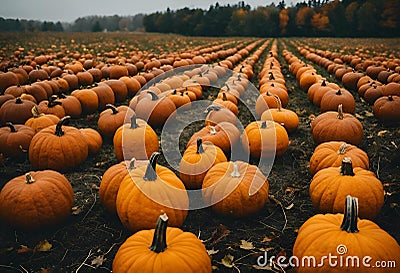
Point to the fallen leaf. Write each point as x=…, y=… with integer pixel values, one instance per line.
x=246, y=245
x=266, y=249
x=43, y=246
x=76, y=210
x=212, y=251
x=381, y=133
x=359, y=116
x=98, y=261
x=368, y=114
x=266, y=240
x=24, y=249
x=267, y=267
x=227, y=261
x=218, y=234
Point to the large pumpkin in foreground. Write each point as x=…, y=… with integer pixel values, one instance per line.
x=346, y=238
x=163, y=249
x=36, y=200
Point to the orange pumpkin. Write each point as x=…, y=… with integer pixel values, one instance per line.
x=58, y=147
x=163, y=249
x=332, y=153
x=345, y=237
x=235, y=189
x=148, y=190
x=196, y=161
x=330, y=186
x=265, y=139
x=135, y=139
x=36, y=200
x=111, y=119
x=15, y=140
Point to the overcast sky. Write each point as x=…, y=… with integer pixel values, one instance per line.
x=69, y=10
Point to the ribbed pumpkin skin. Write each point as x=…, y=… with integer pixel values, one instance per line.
x=266, y=141
x=321, y=235
x=327, y=155
x=60, y=153
x=43, y=203
x=137, y=211
x=328, y=127
x=185, y=254
x=194, y=166
x=234, y=196
x=93, y=139
x=329, y=188
x=15, y=144
x=139, y=142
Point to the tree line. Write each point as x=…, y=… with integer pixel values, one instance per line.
x=346, y=18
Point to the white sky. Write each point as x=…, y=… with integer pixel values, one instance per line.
x=69, y=10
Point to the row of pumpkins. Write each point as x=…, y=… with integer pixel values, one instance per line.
x=342, y=187
x=223, y=174
x=382, y=92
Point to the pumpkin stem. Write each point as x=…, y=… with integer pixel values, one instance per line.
x=271, y=76
x=339, y=92
x=390, y=98
x=151, y=174
x=159, y=243
x=112, y=107
x=349, y=223
x=62, y=96
x=212, y=130
x=35, y=112
x=235, y=172
x=11, y=126
x=132, y=164
x=263, y=125
x=29, y=178
x=279, y=103
x=342, y=149
x=323, y=83
x=153, y=95
x=347, y=167
x=134, y=124
x=53, y=102
x=59, y=132
x=18, y=100
x=212, y=107
x=224, y=98
x=340, y=111
x=200, y=148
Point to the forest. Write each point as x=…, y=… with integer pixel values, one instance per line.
x=313, y=18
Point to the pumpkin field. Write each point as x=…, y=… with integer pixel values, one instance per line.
x=239, y=141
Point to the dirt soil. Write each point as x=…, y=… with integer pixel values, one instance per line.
x=88, y=241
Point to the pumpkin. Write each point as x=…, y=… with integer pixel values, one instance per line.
x=344, y=236
x=36, y=200
x=217, y=114
x=332, y=98
x=265, y=139
x=111, y=119
x=93, y=139
x=196, y=161
x=7, y=79
x=119, y=88
x=318, y=90
x=351, y=79
x=224, y=135
x=154, y=109
x=387, y=109
x=16, y=111
x=337, y=126
x=163, y=249
x=15, y=140
x=223, y=101
x=111, y=180
x=105, y=95
x=135, y=139
x=58, y=147
x=332, y=153
x=72, y=106
x=181, y=101
x=52, y=106
x=329, y=188
x=40, y=120
x=88, y=99
x=235, y=189
x=264, y=102
x=284, y=117
x=148, y=190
